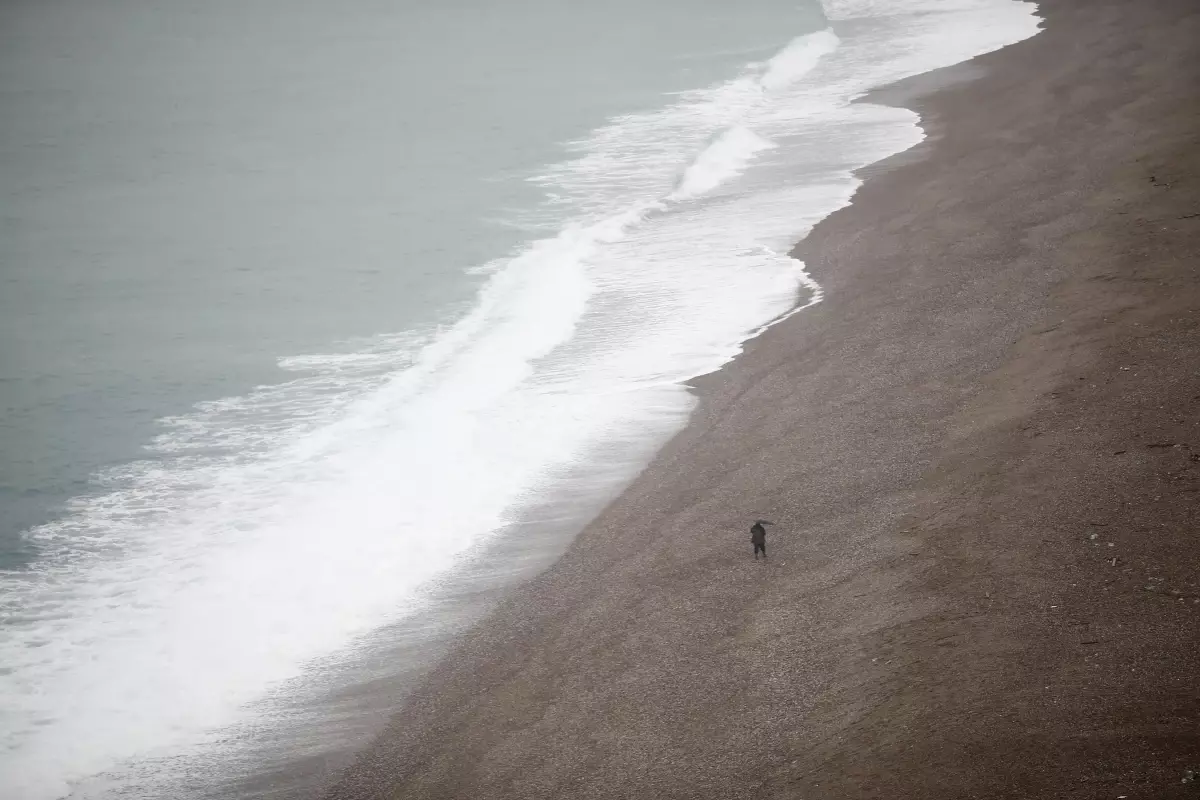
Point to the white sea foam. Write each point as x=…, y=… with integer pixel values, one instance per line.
x=271, y=530
x=726, y=157
x=797, y=60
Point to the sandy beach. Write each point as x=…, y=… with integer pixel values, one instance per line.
x=982, y=456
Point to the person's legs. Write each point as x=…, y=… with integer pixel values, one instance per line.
x=760, y=548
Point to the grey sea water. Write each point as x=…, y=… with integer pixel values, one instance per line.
x=194, y=190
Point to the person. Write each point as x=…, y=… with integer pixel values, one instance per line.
x=758, y=538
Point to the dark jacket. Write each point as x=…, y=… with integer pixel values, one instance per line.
x=758, y=534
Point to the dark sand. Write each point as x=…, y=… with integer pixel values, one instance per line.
x=982, y=455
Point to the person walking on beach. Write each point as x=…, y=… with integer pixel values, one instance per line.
x=758, y=538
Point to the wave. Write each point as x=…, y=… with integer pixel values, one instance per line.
x=798, y=59
x=727, y=156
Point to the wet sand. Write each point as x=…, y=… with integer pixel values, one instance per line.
x=982, y=453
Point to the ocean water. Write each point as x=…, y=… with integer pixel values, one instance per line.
x=304, y=306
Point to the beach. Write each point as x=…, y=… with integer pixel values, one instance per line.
x=982, y=455
x=295, y=399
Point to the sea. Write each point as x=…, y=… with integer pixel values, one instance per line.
x=320, y=321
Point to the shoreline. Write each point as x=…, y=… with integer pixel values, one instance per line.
x=938, y=619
